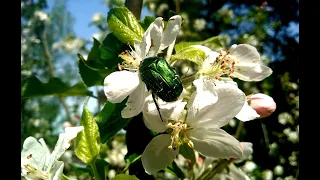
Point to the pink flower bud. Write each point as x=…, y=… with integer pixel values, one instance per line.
x=263, y=104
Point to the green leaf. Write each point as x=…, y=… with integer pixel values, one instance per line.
x=125, y=177
x=81, y=168
x=190, y=53
x=110, y=121
x=87, y=145
x=175, y=170
x=147, y=21
x=187, y=153
x=124, y=25
x=33, y=87
x=211, y=43
x=109, y=51
x=92, y=76
x=93, y=55
x=101, y=164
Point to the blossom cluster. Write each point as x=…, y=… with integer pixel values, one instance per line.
x=197, y=116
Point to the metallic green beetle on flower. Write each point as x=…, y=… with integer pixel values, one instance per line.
x=160, y=78
x=142, y=72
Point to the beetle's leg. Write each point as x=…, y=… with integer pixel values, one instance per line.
x=154, y=99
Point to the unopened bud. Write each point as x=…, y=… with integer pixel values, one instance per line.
x=263, y=104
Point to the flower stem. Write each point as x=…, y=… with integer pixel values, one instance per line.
x=127, y=167
x=95, y=171
x=210, y=173
x=239, y=128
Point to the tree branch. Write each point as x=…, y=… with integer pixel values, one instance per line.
x=51, y=70
x=135, y=7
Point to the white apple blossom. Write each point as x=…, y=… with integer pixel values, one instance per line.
x=36, y=160
x=97, y=17
x=42, y=16
x=200, y=129
x=242, y=61
x=127, y=82
x=199, y=24
x=249, y=166
x=234, y=173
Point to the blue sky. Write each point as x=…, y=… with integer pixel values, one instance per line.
x=83, y=10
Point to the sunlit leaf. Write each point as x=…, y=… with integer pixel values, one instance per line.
x=87, y=144
x=192, y=54
x=211, y=43
x=33, y=87
x=124, y=25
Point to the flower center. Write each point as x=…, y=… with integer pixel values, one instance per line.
x=131, y=60
x=222, y=66
x=178, y=135
x=33, y=171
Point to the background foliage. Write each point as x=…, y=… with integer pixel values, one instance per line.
x=49, y=61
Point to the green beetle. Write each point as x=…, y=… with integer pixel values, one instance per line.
x=160, y=79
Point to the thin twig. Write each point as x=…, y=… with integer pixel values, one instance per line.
x=51, y=70
x=177, y=6
x=239, y=129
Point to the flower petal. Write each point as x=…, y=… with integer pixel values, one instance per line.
x=171, y=31
x=230, y=101
x=204, y=96
x=118, y=85
x=153, y=33
x=157, y=155
x=247, y=113
x=63, y=143
x=215, y=142
x=57, y=170
x=168, y=110
x=44, y=145
x=251, y=71
x=247, y=149
x=38, y=153
x=210, y=59
x=135, y=102
x=248, y=64
x=237, y=173
x=245, y=53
